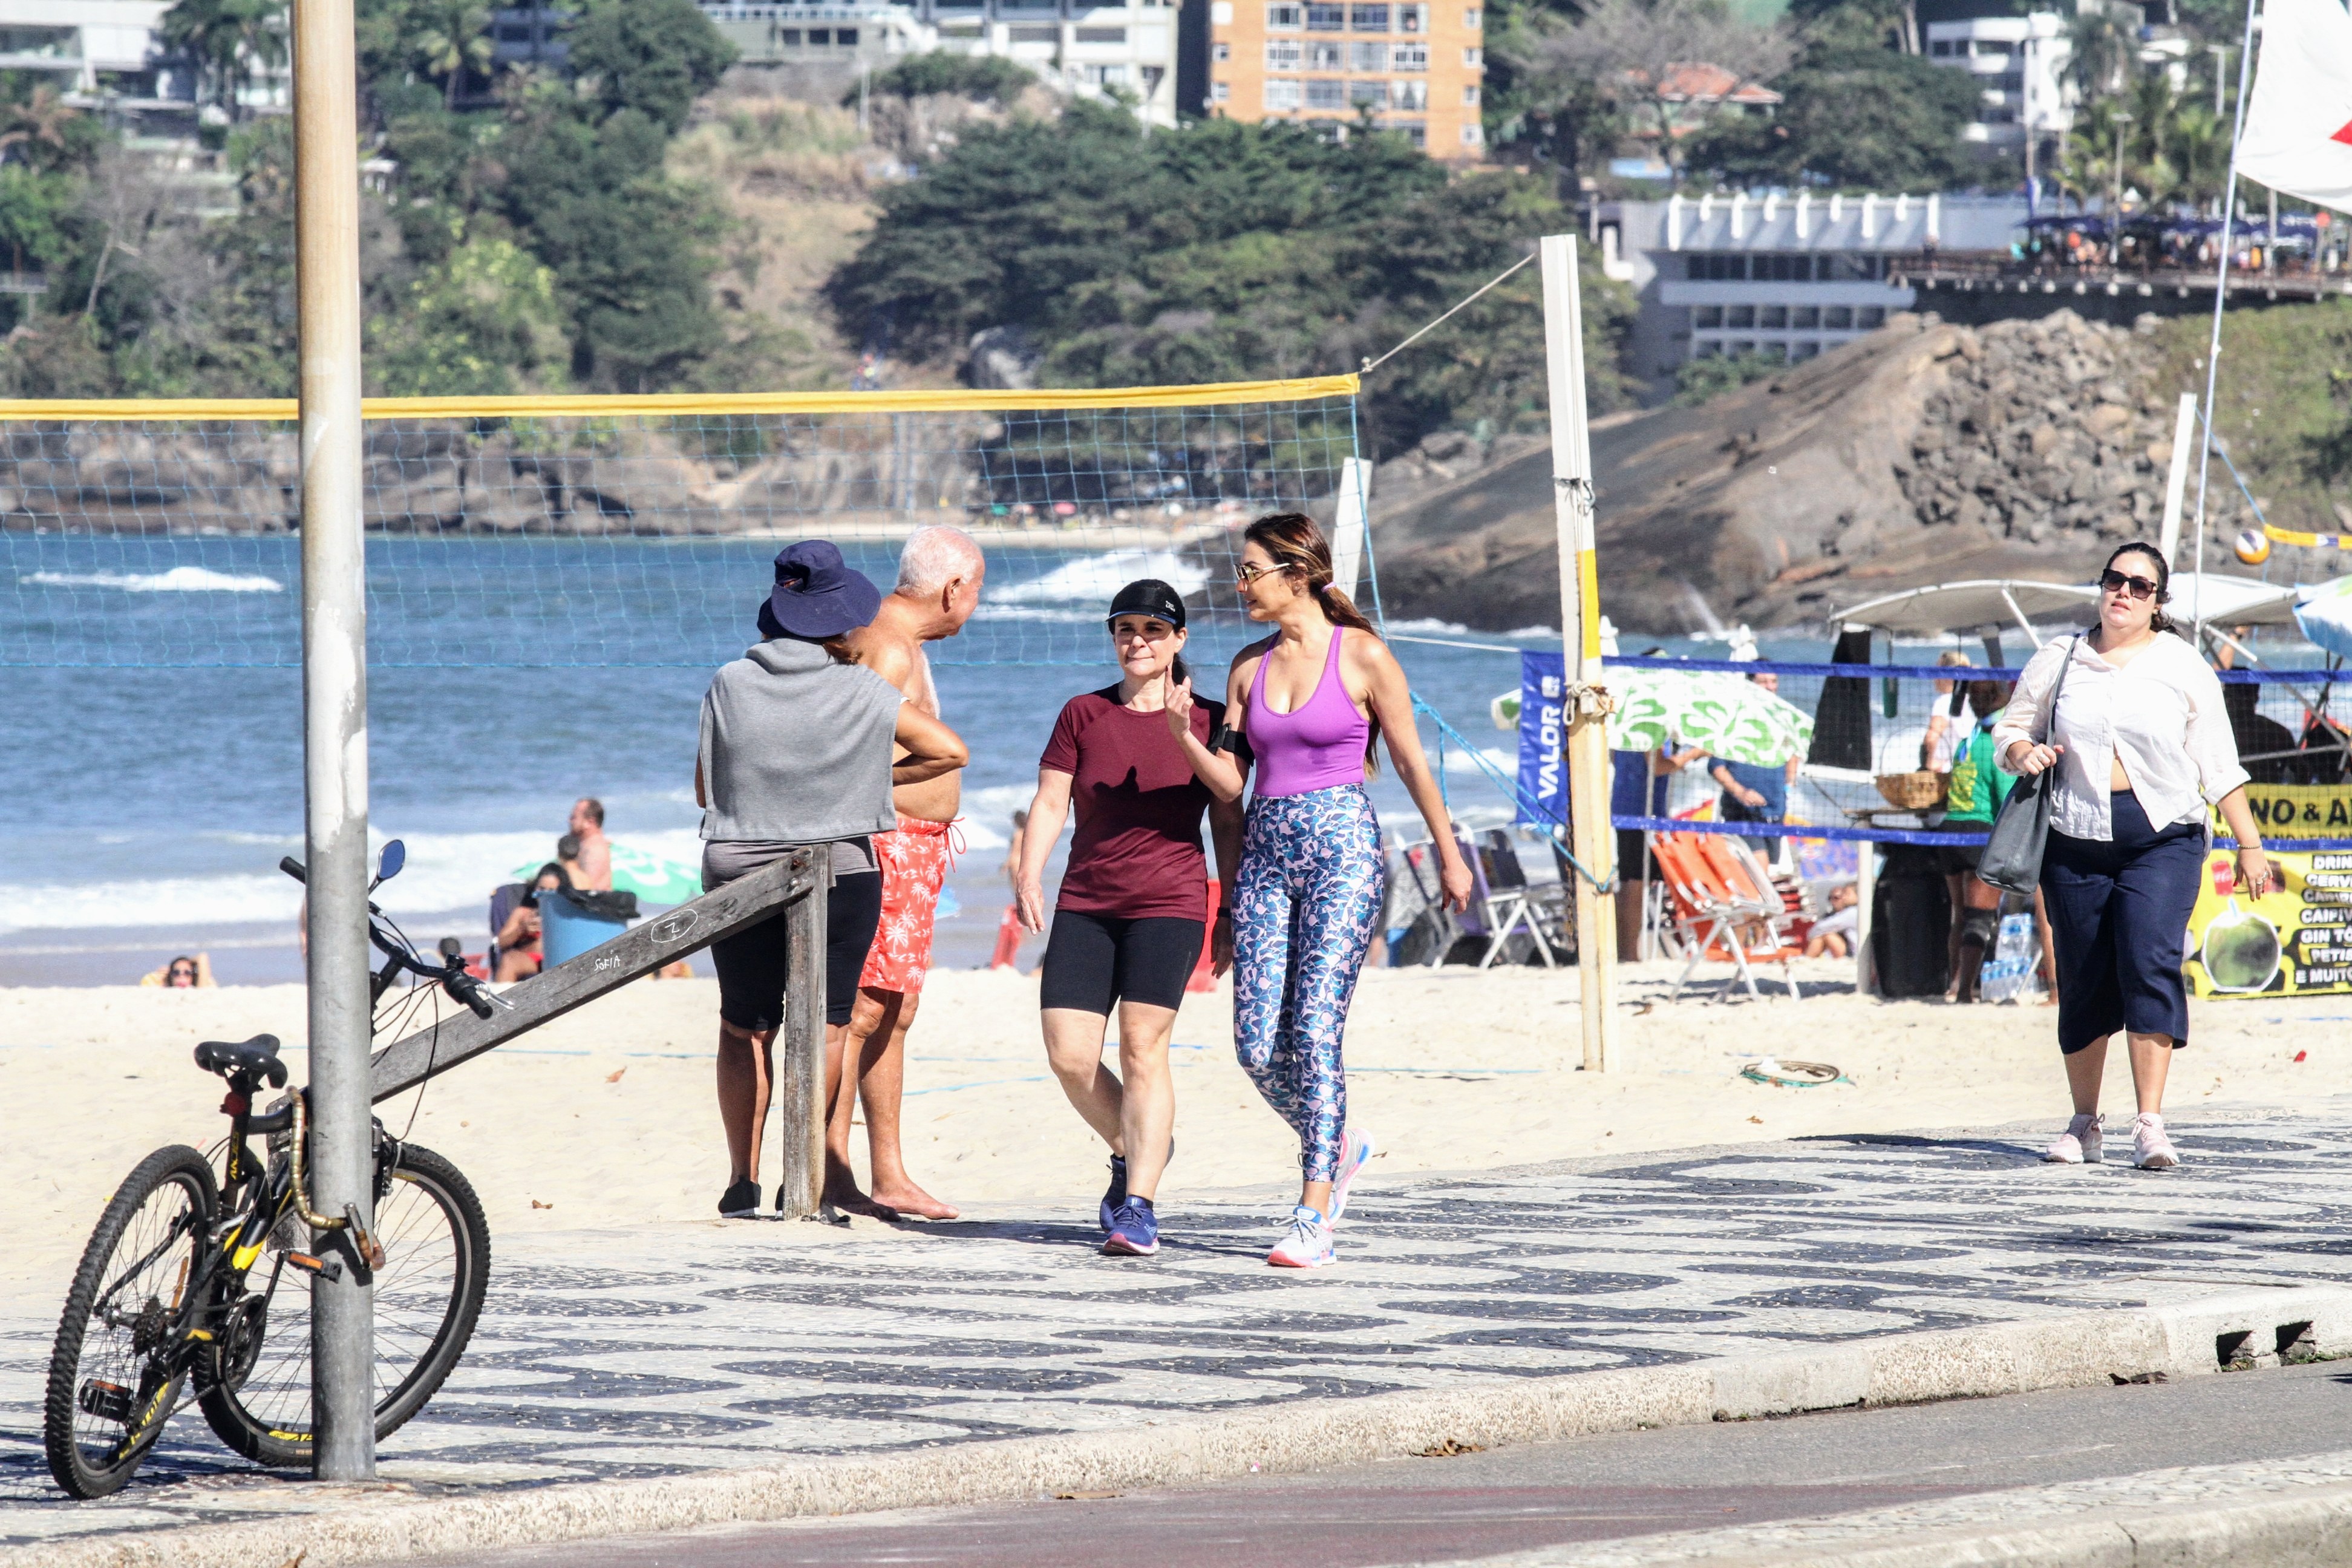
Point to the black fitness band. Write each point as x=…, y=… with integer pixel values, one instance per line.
x=1227, y=739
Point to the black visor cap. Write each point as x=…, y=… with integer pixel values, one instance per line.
x=1148, y=597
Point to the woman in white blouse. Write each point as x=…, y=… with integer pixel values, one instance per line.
x=2142, y=746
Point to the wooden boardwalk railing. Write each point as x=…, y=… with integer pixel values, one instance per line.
x=797, y=885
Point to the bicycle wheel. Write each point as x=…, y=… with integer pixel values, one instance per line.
x=436, y=1264
x=109, y=1393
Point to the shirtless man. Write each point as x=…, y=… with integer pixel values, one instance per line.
x=938, y=587
x=596, y=850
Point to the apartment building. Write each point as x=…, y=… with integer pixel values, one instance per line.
x=112, y=51
x=1776, y=276
x=1090, y=49
x=2019, y=66
x=1413, y=68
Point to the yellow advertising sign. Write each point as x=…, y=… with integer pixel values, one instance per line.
x=2299, y=811
x=2284, y=944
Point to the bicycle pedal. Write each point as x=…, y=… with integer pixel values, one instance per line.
x=107, y=1401
x=326, y=1268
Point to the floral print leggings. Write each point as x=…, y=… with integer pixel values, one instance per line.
x=1309, y=890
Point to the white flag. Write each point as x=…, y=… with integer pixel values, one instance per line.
x=2298, y=137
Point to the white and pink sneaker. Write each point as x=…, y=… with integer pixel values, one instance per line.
x=2151, y=1150
x=2081, y=1143
x=1356, y=1152
x=1309, y=1244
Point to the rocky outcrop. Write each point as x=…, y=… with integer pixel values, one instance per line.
x=2044, y=430
x=1925, y=453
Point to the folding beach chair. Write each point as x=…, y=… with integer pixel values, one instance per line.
x=1502, y=897
x=1434, y=926
x=1725, y=910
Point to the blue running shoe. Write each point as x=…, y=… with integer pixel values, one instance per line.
x=1115, y=1194
x=1134, y=1230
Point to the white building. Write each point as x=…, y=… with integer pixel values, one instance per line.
x=2020, y=67
x=1089, y=48
x=94, y=49
x=1780, y=276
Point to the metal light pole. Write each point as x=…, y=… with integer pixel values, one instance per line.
x=334, y=722
x=2115, y=211
x=2213, y=349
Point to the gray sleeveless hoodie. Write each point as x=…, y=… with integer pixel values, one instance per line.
x=796, y=747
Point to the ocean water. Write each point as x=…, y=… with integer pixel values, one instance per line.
x=147, y=807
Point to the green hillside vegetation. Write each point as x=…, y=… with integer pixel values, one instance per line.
x=1225, y=252
x=2285, y=414
x=538, y=243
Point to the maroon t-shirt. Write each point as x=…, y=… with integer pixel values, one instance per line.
x=1137, y=850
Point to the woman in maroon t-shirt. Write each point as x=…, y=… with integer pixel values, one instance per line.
x=1133, y=909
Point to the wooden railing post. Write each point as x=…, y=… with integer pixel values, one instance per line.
x=799, y=1112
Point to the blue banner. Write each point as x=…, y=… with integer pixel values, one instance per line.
x=1543, y=780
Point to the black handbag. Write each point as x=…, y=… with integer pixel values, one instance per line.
x=2012, y=851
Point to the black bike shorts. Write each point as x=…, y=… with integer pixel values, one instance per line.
x=752, y=965
x=1093, y=961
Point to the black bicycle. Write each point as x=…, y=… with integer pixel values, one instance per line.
x=188, y=1291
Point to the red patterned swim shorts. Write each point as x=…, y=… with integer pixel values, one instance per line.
x=915, y=859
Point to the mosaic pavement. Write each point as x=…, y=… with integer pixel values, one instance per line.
x=690, y=1347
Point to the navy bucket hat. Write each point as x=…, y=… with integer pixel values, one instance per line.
x=817, y=594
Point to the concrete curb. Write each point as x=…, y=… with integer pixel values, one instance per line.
x=2310, y=1530
x=357, y=1525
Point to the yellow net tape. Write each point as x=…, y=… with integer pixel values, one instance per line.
x=952, y=399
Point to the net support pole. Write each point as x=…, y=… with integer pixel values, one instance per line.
x=1349, y=522
x=334, y=722
x=1587, y=742
x=2176, y=482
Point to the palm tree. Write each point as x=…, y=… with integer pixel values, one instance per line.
x=227, y=39
x=2103, y=48
x=455, y=37
x=2199, y=149
x=38, y=120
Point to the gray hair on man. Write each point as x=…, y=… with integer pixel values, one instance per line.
x=936, y=556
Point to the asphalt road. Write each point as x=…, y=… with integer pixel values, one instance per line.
x=1589, y=1490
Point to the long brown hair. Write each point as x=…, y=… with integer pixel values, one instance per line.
x=1298, y=546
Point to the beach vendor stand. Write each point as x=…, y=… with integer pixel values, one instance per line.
x=1986, y=609
x=1882, y=800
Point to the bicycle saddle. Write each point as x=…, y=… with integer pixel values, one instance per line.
x=257, y=1055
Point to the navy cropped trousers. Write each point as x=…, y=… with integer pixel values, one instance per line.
x=2120, y=916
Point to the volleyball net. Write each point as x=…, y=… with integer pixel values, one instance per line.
x=552, y=531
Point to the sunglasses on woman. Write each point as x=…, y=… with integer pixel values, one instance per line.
x=2113, y=582
x=1249, y=572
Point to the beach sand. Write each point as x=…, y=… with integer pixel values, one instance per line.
x=606, y=1117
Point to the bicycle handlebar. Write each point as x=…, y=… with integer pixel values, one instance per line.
x=451, y=976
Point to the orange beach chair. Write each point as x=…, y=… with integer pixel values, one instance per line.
x=1725, y=910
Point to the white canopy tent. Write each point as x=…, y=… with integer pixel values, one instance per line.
x=1996, y=604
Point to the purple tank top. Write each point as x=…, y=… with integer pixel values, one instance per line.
x=1316, y=745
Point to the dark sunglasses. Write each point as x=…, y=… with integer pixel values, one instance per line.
x=2113, y=582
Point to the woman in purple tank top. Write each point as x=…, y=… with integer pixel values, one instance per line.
x=1309, y=703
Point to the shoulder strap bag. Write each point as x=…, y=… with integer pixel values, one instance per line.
x=2013, y=852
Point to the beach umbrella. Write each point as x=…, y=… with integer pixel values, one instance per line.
x=2324, y=612
x=1731, y=717
x=654, y=879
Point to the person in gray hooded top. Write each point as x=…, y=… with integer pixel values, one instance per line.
x=796, y=749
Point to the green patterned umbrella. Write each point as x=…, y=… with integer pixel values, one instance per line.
x=1731, y=718
x=651, y=878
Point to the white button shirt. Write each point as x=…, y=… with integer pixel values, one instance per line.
x=2160, y=715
